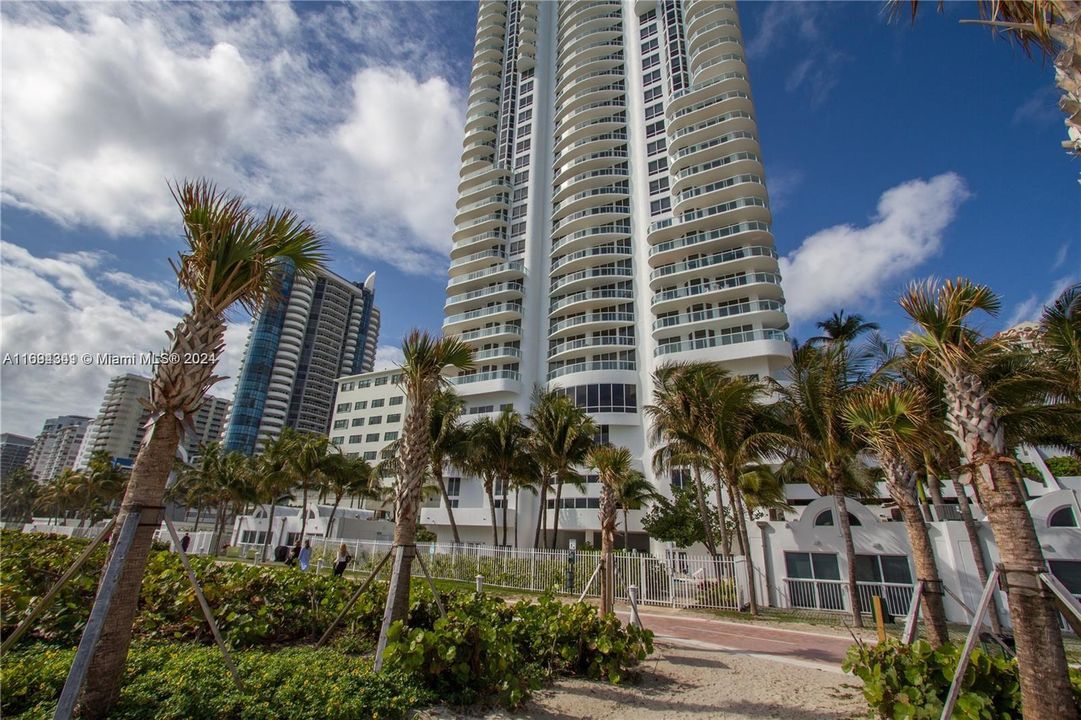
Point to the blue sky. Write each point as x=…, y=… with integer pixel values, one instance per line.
x=892, y=152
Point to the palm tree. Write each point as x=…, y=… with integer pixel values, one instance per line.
x=102, y=484
x=823, y=452
x=275, y=481
x=1051, y=26
x=843, y=328
x=449, y=444
x=891, y=419
x=945, y=343
x=20, y=495
x=232, y=256
x=346, y=476
x=613, y=466
x=674, y=431
x=54, y=496
x=561, y=439
x=1059, y=345
x=483, y=442
x=306, y=463
x=511, y=460
x=425, y=358
x=632, y=491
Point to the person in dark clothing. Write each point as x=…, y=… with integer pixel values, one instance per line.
x=281, y=553
x=342, y=560
x=184, y=542
x=294, y=554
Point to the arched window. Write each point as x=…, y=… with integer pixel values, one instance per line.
x=311, y=514
x=825, y=518
x=1063, y=517
x=260, y=513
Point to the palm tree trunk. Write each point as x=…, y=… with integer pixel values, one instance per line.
x=934, y=612
x=850, y=552
x=726, y=543
x=626, y=530
x=608, y=538
x=1045, y=685
x=934, y=489
x=269, y=528
x=437, y=471
x=703, y=510
x=198, y=517
x=146, y=488
x=745, y=543
x=491, y=504
x=542, y=515
x=304, y=513
x=555, y=520
x=505, y=513
x=977, y=549
x=330, y=520
x=517, y=492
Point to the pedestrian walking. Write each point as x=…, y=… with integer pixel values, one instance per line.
x=294, y=554
x=306, y=555
x=184, y=542
x=342, y=561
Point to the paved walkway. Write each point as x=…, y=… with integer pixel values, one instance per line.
x=823, y=651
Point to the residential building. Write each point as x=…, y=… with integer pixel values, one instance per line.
x=320, y=328
x=120, y=424
x=14, y=449
x=369, y=413
x=56, y=446
x=612, y=216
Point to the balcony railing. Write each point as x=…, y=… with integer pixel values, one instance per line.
x=589, y=366
x=490, y=375
x=708, y=212
x=719, y=312
x=716, y=258
x=603, y=317
x=733, y=282
x=490, y=331
x=721, y=341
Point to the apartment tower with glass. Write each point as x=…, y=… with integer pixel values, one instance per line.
x=612, y=215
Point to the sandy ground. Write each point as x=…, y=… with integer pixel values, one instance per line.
x=693, y=682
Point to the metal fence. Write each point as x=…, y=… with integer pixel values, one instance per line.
x=677, y=580
x=833, y=595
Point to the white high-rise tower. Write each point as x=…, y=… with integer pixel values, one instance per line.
x=612, y=215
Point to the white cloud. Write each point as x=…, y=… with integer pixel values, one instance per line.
x=104, y=102
x=388, y=356
x=782, y=186
x=1031, y=308
x=797, y=28
x=781, y=18
x=1040, y=108
x=59, y=305
x=845, y=264
x=1060, y=256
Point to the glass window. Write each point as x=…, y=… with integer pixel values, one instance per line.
x=1063, y=517
x=375, y=420
x=337, y=440
x=360, y=405
x=338, y=424
x=343, y=407
x=378, y=402
x=371, y=437
x=797, y=565
x=358, y=422
x=895, y=569
x=390, y=436
x=381, y=380
x=397, y=400
x=395, y=417
x=354, y=439
x=825, y=566
x=370, y=455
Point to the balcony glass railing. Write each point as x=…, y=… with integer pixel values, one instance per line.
x=589, y=366
x=591, y=252
x=708, y=287
x=599, y=230
x=709, y=236
x=611, y=87
x=604, y=271
x=613, y=294
x=724, y=22
x=707, y=212
x=516, y=265
x=727, y=57
x=603, y=341
x=481, y=377
x=709, y=83
x=613, y=171
x=721, y=341
x=620, y=188
x=602, y=317
x=714, y=164
x=711, y=122
x=720, y=140
x=718, y=312
x=496, y=352
x=599, y=210
x=477, y=256
x=694, y=192
x=490, y=331
x=483, y=312
x=484, y=292
x=713, y=260
x=732, y=95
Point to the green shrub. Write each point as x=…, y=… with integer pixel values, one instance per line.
x=190, y=681
x=1064, y=466
x=911, y=681
x=485, y=647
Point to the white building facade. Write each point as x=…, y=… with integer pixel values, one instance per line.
x=612, y=217
x=57, y=446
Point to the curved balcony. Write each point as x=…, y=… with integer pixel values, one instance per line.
x=585, y=113
x=470, y=231
x=585, y=258
x=589, y=65
x=487, y=51
x=587, y=180
x=474, y=192
x=504, y=271
x=590, y=144
x=590, y=276
x=584, y=53
x=477, y=149
x=491, y=313
x=772, y=309
x=719, y=191
x=492, y=29
x=486, y=65
x=699, y=234
x=707, y=69
x=605, y=194
x=591, y=79
x=705, y=150
x=478, y=134
x=589, y=299
x=499, y=203
x=716, y=170
x=572, y=13
x=700, y=103
x=477, y=259
x=590, y=366
x=501, y=380
x=588, y=217
x=764, y=283
x=503, y=351
x=592, y=161
x=474, y=243
x=501, y=291
x=477, y=164
x=705, y=110
x=481, y=118
x=701, y=22
x=568, y=347
x=502, y=332
x=606, y=91
x=709, y=262
x=570, y=34
x=586, y=36
x=592, y=236
x=590, y=128
x=734, y=121
x=591, y=322
x=722, y=341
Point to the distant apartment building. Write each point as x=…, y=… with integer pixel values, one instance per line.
x=56, y=446
x=321, y=328
x=120, y=425
x=369, y=413
x=14, y=449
